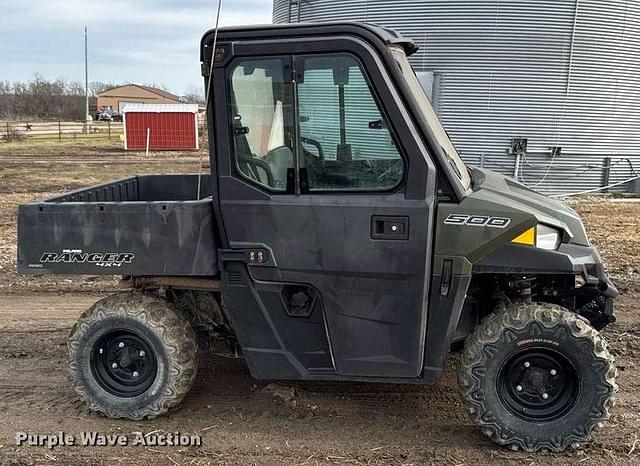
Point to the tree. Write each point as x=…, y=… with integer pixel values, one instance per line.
x=194, y=95
x=98, y=87
x=44, y=99
x=160, y=86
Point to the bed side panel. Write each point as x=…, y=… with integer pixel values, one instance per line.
x=117, y=238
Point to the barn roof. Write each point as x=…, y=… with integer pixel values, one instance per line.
x=160, y=108
x=153, y=90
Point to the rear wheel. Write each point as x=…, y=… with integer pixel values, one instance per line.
x=537, y=377
x=131, y=356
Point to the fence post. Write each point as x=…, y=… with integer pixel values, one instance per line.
x=109, y=128
x=8, y=132
x=59, y=131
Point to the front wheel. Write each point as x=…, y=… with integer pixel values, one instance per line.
x=537, y=377
x=132, y=356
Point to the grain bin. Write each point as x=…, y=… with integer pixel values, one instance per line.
x=561, y=76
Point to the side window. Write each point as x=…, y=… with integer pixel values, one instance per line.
x=345, y=143
x=262, y=120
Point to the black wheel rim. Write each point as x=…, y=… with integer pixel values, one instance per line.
x=124, y=363
x=538, y=384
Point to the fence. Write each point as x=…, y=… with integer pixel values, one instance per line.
x=18, y=131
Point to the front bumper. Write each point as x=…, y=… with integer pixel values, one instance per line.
x=586, y=260
x=597, y=291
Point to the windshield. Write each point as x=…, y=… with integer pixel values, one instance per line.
x=427, y=110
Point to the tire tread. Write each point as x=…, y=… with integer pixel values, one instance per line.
x=176, y=334
x=517, y=317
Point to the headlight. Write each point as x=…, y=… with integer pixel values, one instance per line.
x=540, y=236
x=547, y=237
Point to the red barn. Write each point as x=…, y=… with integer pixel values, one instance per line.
x=168, y=126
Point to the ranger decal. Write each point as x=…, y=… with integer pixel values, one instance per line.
x=100, y=259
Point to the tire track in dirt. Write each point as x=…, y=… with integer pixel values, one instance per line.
x=243, y=420
x=92, y=161
x=21, y=401
x=33, y=351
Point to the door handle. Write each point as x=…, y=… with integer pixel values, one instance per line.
x=386, y=227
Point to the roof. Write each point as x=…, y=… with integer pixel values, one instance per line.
x=160, y=108
x=273, y=31
x=161, y=92
x=153, y=90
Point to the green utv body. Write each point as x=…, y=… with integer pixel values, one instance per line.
x=339, y=237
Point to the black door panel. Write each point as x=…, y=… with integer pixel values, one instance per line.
x=372, y=290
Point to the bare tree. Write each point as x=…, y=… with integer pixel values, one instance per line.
x=98, y=87
x=58, y=99
x=157, y=86
x=46, y=99
x=194, y=95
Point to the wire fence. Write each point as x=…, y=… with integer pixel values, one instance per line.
x=70, y=131
x=22, y=131
x=574, y=173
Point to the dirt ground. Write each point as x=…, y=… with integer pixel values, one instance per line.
x=243, y=421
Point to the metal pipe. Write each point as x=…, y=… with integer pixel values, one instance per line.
x=606, y=173
x=573, y=36
x=595, y=190
x=342, y=115
x=516, y=172
x=207, y=98
x=86, y=83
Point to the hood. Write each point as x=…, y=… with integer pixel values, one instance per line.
x=498, y=188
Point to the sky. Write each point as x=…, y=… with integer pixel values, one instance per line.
x=140, y=41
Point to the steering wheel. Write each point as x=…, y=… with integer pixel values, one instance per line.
x=395, y=168
x=316, y=144
x=254, y=163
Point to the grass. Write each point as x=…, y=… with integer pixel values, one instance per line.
x=87, y=147
x=67, y=137
x=86, y=144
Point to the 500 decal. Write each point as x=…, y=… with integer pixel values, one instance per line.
x=477, y=220
x=99, y=259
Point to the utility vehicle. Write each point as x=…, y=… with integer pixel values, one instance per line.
x=340, y=237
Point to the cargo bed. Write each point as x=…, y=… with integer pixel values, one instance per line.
x=142, y=225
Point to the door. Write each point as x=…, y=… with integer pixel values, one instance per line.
x=318, y=185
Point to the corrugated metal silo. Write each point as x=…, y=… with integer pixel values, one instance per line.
x=560, y=73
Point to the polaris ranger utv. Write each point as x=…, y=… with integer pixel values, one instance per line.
x=339, y=237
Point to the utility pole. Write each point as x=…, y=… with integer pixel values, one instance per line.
x=86, y=83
